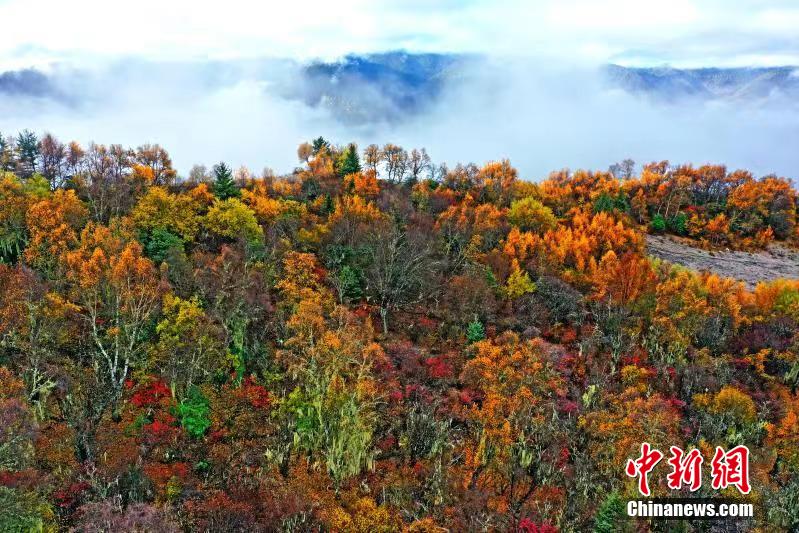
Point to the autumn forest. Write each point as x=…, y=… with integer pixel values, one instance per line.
x=379, y=342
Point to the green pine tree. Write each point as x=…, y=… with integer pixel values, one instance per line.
x=349, y=162
x=604, y=204
x=475, y=331
x=329, y=205
x=6, y=155
x=319, y=143
x=658, y=224
x=194, y=413
x=609, y=515
x=224, y=186
x=349, y=284
x=28, y=150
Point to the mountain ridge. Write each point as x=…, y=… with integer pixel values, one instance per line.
x=385, y=87
x=733, y=83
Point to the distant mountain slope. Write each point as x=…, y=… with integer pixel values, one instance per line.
x=745, y=84
x=377, y=87
x=391, y=85
x=29, y=82
x=374, y=88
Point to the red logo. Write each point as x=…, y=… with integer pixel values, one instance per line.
x=686, y=468
x=727, y=468
x=731, y=468
x=642, y=466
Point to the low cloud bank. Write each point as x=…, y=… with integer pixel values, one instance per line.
x=540, y=115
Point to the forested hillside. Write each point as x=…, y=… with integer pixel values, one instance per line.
x=378, y=343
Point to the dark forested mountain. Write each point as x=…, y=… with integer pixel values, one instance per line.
x=372, y=88
x=378, y=86
x=744, y=84
x=355, y=89
x=27, y=81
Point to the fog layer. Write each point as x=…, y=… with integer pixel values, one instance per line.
x=541, y=116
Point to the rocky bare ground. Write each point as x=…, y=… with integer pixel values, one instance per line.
x=776, y=262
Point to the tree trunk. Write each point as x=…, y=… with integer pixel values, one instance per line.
x=384, y=318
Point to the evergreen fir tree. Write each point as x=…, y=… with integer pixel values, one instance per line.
x=329, y=205
x=609, y=515
x=475, y=331
x=224, y=186
x=319, y=143
x=28, y=151
x=349, y=162
x=6, y=155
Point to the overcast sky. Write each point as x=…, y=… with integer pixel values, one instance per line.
x=541, y=102
x=634, y=32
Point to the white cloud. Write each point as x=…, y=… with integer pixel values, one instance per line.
x=622, y=15
x=541, y=116
x=688, y=31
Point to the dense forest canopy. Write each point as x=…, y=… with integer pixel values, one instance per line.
x=376, y=342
